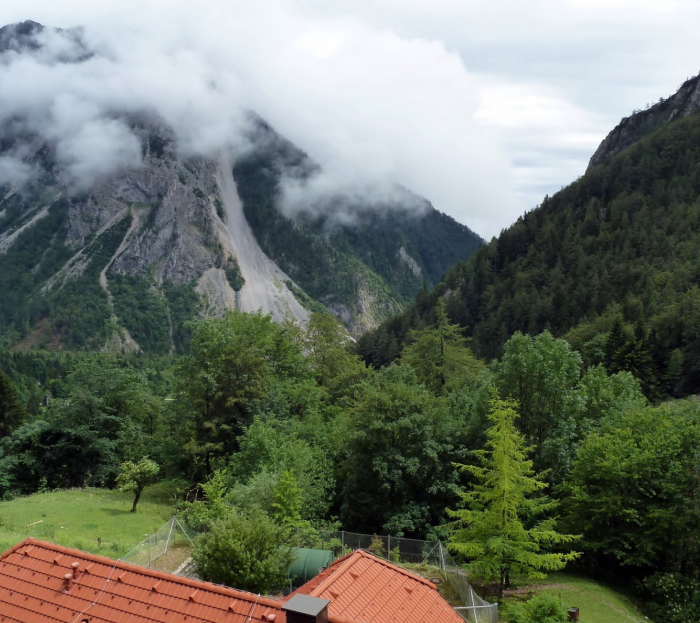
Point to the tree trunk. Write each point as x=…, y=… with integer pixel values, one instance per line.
x=137, y=496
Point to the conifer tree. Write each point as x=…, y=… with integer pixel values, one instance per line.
x=490, y=531
x=440, y=357
x=12, y=412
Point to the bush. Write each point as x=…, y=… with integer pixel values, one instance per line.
x=672, y=597
x=246, y=551
x=541, y=608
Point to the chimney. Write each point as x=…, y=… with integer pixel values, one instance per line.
x=68, y=579
x=305, y=609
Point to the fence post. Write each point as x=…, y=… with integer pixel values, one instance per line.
x=342, y=541
x=388, y=547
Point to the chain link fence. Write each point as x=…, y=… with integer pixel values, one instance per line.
x=164, y=550
x=169, y=548
x=428, y=558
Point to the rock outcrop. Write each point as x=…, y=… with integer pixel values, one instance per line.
x=685, y=102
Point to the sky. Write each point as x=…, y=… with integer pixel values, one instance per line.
x=481, y=106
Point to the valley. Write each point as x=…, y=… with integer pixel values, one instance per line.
x=297, y=356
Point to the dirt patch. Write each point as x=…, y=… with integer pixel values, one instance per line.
x=173, y=558
x=42, y=335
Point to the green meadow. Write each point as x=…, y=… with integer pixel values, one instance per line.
x=92, y=520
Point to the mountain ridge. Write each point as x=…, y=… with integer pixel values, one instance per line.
x=155, y=242
x=685, y=102
x=611, y=263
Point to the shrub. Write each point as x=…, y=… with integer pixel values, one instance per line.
x=542, y=608
x=672, y=597
x=246, y=551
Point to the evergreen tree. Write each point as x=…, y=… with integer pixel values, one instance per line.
x=615, y=343
x=490, y=530
x=440, y=357
x=12, y=412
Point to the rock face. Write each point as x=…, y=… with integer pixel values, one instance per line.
x=631, y=129
x=126, y=261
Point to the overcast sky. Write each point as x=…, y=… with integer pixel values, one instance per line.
x=481, y=106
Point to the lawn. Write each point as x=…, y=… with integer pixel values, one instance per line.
x=81, y=518
x=596, y=602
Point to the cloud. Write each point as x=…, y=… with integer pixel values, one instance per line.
x=376, y=110
x=482, y=106
x=14, y=171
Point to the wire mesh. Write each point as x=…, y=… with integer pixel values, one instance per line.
x=148, y=551
x=422, y=555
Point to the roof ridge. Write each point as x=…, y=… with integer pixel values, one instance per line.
x=349, y=560
x=161, y=575
x=395, y=567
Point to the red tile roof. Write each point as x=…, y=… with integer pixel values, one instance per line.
x=32, y=591
x=363, y=587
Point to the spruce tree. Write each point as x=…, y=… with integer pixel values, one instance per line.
x=12, y=412
x=440, y=357
x=490, y=530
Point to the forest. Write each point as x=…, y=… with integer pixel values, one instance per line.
x=615, y=252
x=523, y=464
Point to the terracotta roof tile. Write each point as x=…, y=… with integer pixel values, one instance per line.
x=368, y=589
x=32, y=590
x=361, y=588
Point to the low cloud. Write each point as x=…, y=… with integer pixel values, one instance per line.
x=14, y=171
x=378, y=111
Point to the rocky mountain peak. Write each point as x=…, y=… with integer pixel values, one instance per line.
x=685, y=102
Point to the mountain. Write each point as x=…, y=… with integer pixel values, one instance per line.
x=685, y=102
x=122, y=262
x=612, y=262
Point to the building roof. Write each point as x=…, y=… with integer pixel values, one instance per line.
x=32, y=590
x=360, y=587
x=363, y=587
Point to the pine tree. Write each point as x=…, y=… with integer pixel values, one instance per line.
x=490, y=531
x=440, y=357
x=12, y=412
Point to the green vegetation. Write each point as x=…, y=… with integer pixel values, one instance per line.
x=248, y=552
x=619, y=246
x=143, y=310
x=305, y=300
x=12, y=411
x=279, y=432
x=542, y=608
x=489, y=529
x=596, y=602
x=329, y=259
x=79, y=517
x=136, y=477
x=233, y=273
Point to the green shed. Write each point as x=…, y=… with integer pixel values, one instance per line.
x=308, y=563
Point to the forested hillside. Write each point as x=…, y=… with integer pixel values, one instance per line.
x=612, y=263
x=267, y=429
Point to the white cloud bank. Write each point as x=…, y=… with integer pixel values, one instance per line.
x=481, y=106
x=374, y=109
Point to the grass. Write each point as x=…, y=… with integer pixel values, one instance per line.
x=596, y=602
x=79, y=517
